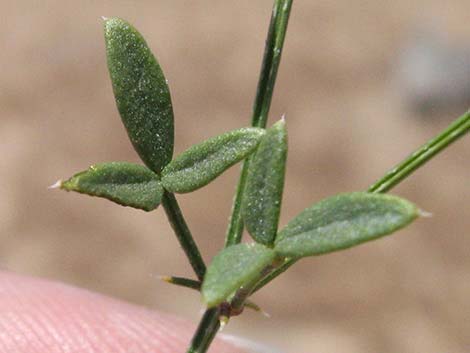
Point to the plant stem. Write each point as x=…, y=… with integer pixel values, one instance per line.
x=437, y=144
x=183, y=282
x=452, y=133
x=183, y=234
x=271, y=60
x=205, y=332
x=238, y=301
x=209, y=324
x=276, y=272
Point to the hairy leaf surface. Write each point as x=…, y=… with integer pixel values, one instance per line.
x=232, y=268
x=141, y=92
x=202, y=163
x=124, y=183
x=343, y=221
x=263, y=194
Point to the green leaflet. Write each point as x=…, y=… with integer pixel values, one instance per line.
x=232, y=268
x=263, y=194
x=141, y=92
x=343, y=221
x=124, y=183
x=202, y=163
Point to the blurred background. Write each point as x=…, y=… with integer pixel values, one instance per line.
x=362, y=83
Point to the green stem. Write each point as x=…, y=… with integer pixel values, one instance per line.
x=271, y=60
x=238, y=301
x=437, y=144
x=452, y=133
x=235, y=226
x=269, y=68
x=276, y=272
x=209, y=324
x=205, y=332
x=183, y=234
x=183, y=282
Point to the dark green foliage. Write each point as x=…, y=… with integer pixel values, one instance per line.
x=263, y=195
x=339, y=222
x=232, y=268
x=141, y=92
x=124, y=183
x=202, y=163
x=343, y=221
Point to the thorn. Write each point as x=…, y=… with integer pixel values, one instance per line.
x=283, y=118
x=56, y=185
x=424, y=214
x=104, y=18
x=265, y=314
x=253, y=306
x=167, y=279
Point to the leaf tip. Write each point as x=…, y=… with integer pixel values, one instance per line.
x=281, y=123
x=265, y=314
x=56, y=185
x=111, y=23
x=424, y=214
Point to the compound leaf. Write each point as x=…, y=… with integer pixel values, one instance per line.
x=232, y=268
x=343, y=221
x=124, y=183
x=200, y=164
x=265, y=182
x=141, y=92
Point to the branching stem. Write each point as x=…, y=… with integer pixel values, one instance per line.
x=452, y=133
x=271, y=60
x=209, y=324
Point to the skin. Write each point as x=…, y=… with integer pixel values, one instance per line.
x=38, y=316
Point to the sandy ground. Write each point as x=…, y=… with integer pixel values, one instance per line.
x=348, y=124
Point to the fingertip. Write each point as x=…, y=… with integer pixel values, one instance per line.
x=40, y=316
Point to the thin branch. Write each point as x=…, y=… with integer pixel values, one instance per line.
x=185, y=238
x=205, y=332
x=418, y=158
x=209, y=324
x=271, y=60
x=452, y=133
x=182, y=282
